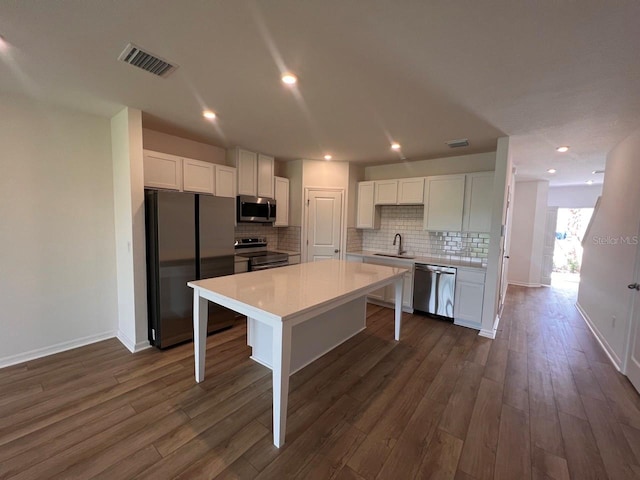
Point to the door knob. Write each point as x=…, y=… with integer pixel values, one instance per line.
x=634, y=286
x=506, y=256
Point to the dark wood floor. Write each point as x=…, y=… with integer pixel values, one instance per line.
x=541, y=401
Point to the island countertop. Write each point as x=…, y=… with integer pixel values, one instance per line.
x=295, y=314
x=287, y=291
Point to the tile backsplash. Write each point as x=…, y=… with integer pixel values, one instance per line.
x=407, y=221
x=283, y=238
x=289, y=238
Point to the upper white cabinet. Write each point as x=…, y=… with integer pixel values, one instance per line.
x=198, y=176
x=386, y=192
x=265, y=176
x=162, y=170
x=255, y=172
x=478, y=202
x=225, y=181
x=405, y=191
x=246, y=164
x=444, y=203
x=367, y=216
x=410, y=191
x=281, y=187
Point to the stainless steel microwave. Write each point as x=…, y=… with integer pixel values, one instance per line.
x=256, y=209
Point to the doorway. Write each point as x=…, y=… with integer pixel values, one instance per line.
x=571, y=226
x=323, y=233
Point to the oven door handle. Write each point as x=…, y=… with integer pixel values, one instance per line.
x=270, y=265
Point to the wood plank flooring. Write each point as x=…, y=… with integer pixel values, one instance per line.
x=541, y=401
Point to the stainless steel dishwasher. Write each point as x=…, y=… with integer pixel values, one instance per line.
x=434, y=289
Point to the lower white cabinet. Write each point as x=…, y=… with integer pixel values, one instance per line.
x=294, y=259
x=469, y=298
x=388, y=293
x=241, y=265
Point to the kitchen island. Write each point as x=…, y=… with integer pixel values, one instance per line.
x=295, y=315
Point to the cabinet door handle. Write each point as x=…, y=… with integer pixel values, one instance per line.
x=634, y=286
x=336, y=250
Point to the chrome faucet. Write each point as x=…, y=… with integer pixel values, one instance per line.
x=396, y=237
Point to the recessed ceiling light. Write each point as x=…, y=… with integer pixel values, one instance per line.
x=395, y=146
x=328, y=157
x=209, y=114
x=589, y=182
x=289, y=78
x=562, y=149
x=552, y=170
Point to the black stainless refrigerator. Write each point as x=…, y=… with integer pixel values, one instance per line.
x=189, y=237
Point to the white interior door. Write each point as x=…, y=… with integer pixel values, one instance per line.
x=324, y=220
x=633, y=360
x=549, y=245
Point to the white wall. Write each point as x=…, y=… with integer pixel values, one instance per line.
x=58, y=281
x=479, y=162
x=502, y=181
x=128, y=180
x=608, y=260
x=182, y=147
x=574, y=196
x=527, y=233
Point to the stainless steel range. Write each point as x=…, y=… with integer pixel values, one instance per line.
x=255, y=249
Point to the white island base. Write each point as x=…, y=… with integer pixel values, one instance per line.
x=297, y=313
x=311, y=339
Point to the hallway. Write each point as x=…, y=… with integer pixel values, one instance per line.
x=583, y=417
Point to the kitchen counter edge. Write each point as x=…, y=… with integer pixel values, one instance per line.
x=444, y=262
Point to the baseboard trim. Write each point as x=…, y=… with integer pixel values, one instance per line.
x=522, y=284
x=53, y=349
x=601, y=339
x=467, y=324
x=491, y=333
x=131, y=346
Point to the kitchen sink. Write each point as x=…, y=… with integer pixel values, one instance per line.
x=393, y=255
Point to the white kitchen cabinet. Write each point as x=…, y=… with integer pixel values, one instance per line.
x=411, y=191
x=198, y=176
x=281, y=187
x=294, y=259
x=444, y=203
x=387, y=294
x=265, y=176
x=246, y=164
x=386, y=192
x=478, y=202
x=469, y=298
x=241, y=265
x=367, y=215
x=162, y=170
x=225, y=180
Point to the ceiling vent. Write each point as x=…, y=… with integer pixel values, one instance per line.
x=134, y=55
x=462, y=142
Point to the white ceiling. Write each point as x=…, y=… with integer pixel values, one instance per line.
x=547, y=73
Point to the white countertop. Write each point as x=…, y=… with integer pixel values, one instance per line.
x=286, y=291
x=427, y=260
